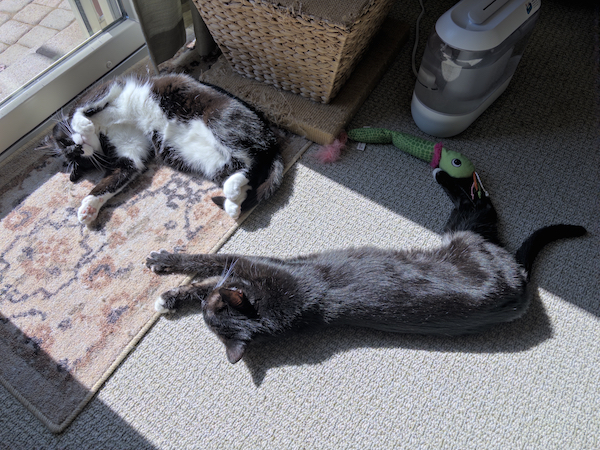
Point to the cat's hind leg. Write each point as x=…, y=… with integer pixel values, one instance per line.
x=457, y=189
x=235, y=189
x=471, y=212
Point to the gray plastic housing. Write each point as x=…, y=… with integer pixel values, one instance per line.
x=456, y=82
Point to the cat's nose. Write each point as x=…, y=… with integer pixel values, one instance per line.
x=78, y=150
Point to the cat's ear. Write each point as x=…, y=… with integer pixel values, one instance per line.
x=235, y=350
x=238, y=301
x=219, y=201
x=75, y=174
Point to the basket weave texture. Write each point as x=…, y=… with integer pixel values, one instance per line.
x=293, y=50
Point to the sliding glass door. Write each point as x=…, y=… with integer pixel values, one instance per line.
x=53, y=51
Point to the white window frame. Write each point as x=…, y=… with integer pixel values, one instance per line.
x=38, y=101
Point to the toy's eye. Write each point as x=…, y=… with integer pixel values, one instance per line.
x=456, y=162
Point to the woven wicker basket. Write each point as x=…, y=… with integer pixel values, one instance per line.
x=298, y=50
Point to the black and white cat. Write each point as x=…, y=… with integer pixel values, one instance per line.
x=465, y=286
x=191, y=126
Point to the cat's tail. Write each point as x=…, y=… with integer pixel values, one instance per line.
x=270, y=184
x=535, y=243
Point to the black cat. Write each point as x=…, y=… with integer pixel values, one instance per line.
x=121, y=125
x=465, y=286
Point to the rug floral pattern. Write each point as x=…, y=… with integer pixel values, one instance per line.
x=72, y=298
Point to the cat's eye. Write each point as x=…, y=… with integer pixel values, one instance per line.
x=456, y=162
x=66, y=142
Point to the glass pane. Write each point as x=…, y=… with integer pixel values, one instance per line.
x=36, y=35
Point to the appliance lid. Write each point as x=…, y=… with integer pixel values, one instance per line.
x=479, y=25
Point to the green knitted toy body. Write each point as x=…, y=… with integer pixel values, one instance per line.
x=455, y=164
x=413, y=145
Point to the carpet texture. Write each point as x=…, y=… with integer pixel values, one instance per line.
x=530, y=384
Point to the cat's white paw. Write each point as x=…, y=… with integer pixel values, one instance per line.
x=235, y=188
x=85, y=134
x=159, y=306
x=88, y=211
x=87, y=143
x=82, y=124
x=77, y=138
x=232, y=208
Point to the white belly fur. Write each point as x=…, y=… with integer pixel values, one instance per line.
x=196, y=144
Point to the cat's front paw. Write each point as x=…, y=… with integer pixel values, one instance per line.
x=160, y=305
x=85, y=134
x=167, y=302
x=88, y=211
x=161, y=262
x=81, y=124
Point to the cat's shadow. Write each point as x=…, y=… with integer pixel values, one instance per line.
x=317, y=346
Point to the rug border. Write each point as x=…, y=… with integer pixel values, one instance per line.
x=59, y=428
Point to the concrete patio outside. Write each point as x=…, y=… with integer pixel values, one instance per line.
x=34, y=34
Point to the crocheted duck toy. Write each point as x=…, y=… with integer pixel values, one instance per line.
x=451, y=162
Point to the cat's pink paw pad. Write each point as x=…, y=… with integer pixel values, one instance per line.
x=88, y=211
x=87, y=214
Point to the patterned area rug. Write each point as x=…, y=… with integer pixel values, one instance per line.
x=74, y=301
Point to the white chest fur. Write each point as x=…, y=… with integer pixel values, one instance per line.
x=134, y=114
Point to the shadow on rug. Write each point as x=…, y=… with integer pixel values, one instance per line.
x=74, y=301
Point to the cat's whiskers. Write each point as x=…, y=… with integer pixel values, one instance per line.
x=102, y=159
x=71, y=167
x=95, y=162
x=227, y=271
x=65, y=125
x=59, y=117
x=98, y=161
x=48, y=147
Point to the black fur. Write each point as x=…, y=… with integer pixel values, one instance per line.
x=465, y=286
